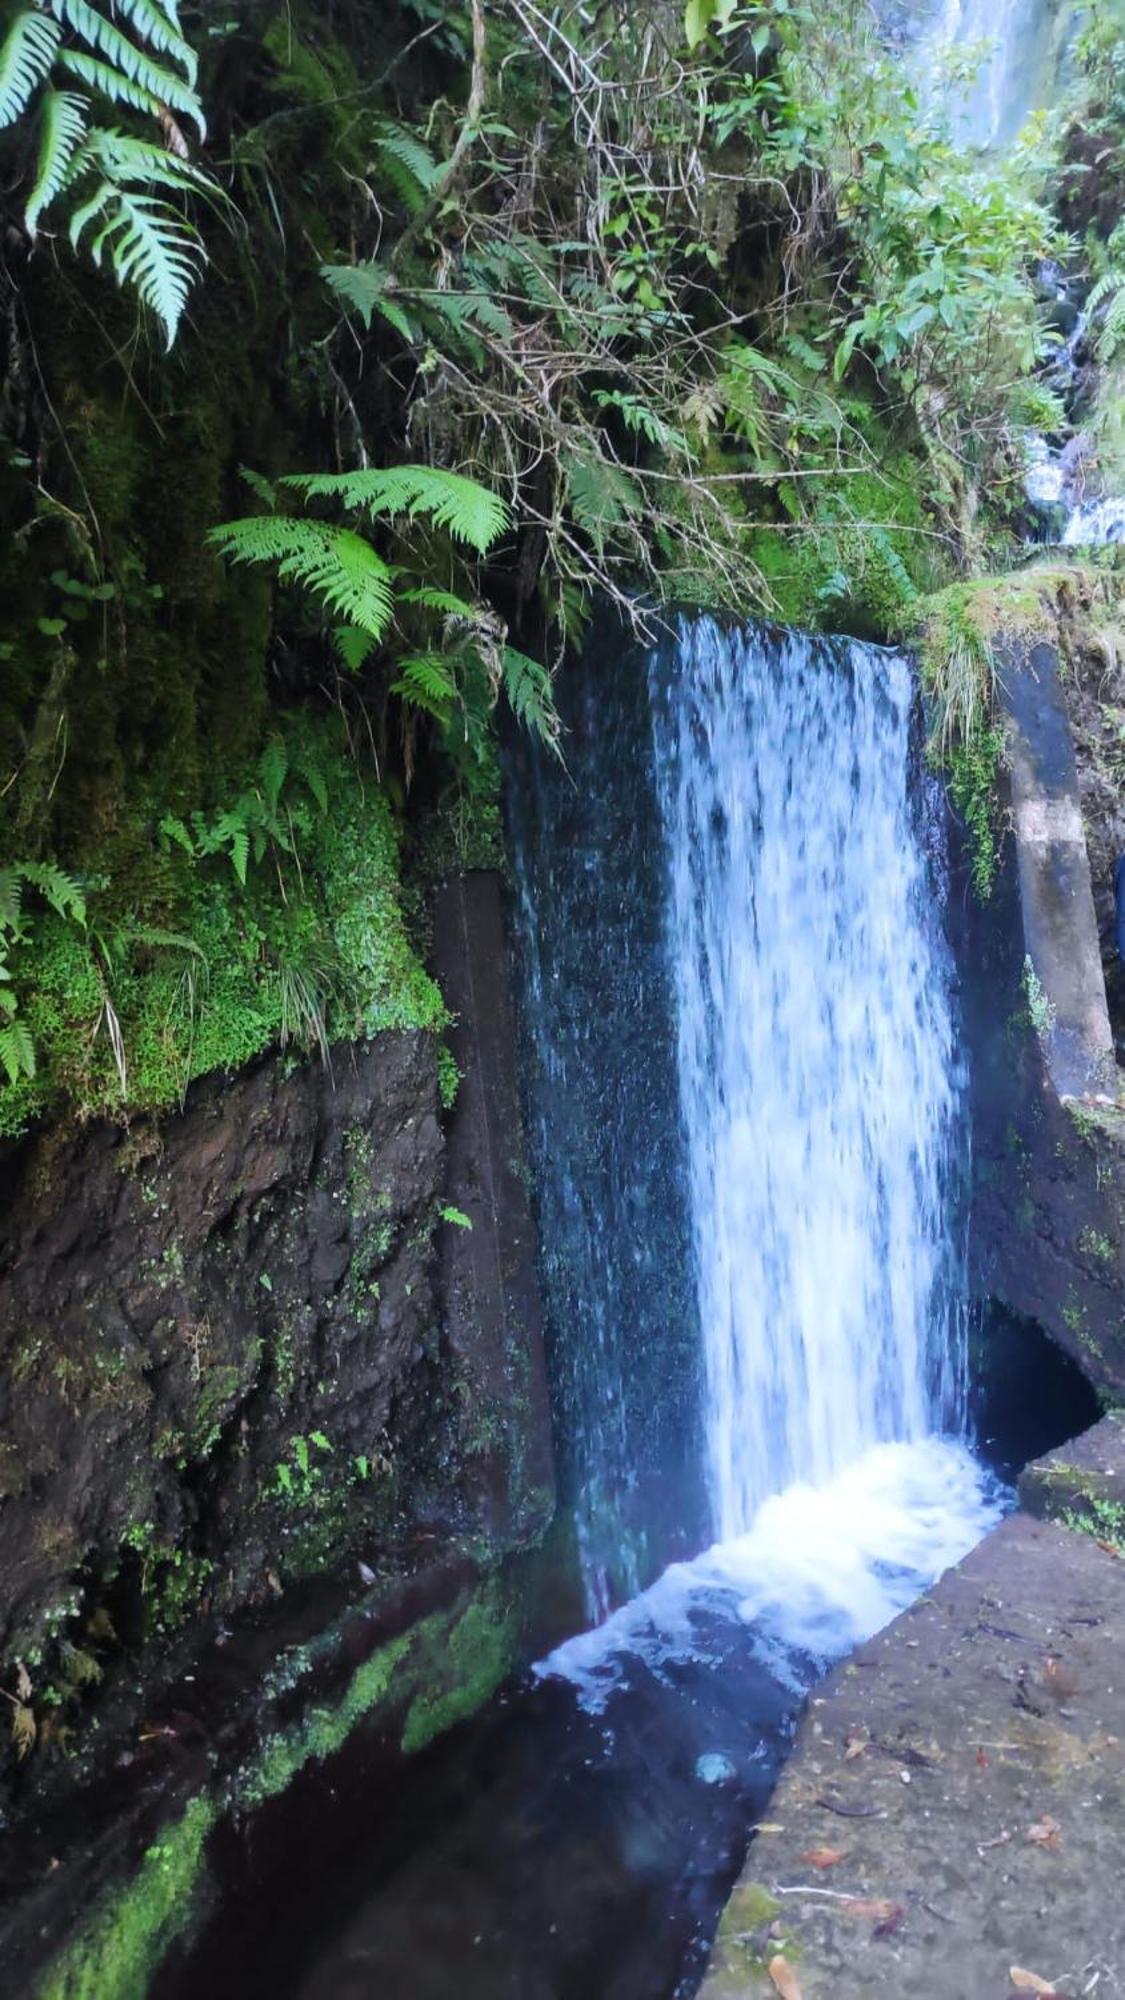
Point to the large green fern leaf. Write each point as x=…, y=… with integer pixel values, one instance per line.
x=121, y=89
x=337, y=566
x=364, y=288
x=28, y=52
x=468, y=510
x=61, y=132
x=159, y=27
x=150, y=245
x=17, y=1051
x=125, y=63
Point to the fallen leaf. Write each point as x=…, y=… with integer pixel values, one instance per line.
x=849, y=1812
x=878, y=1908
x=891, y=1923
x=784, y=1978
x=856, y=1747
x=23, y=1682
x=824, y=1857
x=1028, y=1982
x=1045, y=1833
x=23, y=1729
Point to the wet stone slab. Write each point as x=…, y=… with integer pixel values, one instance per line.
x=955, y=1806
x=1084, y=1478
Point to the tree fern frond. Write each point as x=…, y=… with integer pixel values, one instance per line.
x=124, y=158
x=353, y=646
x=126, y=63
x=338, y=566
x=26, y=57
x=468, y=510
x=61, y=132
x=439, y=600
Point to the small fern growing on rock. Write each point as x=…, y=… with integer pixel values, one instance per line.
x=61, y=891
x=61, y=63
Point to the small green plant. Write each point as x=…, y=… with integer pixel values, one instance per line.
x=1103, y=1519
x=449, y=1077
x=1040, y=1008
x=298, y=1477
x=62, y=893
x=456, y=1216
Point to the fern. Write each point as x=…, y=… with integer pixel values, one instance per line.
x=335, y=564
x=26, y=59
x=426, y=682
x=528, y=689
x=62, y=130
x=1110, y=292
x=407, y=164
x=17, y=1050
x=468, y=510
x=364, y=288
x=62, y=892
x=115, y=179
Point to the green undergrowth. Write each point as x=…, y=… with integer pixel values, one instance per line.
x=275, y=917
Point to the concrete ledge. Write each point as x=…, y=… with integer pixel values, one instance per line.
x=1066, y=987
x=953, y=1806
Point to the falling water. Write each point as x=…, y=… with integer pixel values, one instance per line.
x=1019, y=50
x=817, y=1066
x=819, y=1089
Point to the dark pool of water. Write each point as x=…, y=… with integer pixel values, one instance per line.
x=541, y=1852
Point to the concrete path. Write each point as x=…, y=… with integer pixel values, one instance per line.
x=951, y=1825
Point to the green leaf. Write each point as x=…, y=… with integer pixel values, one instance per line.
x=470, y=512
x=61, y=131
x=29, y=50
x=338, y=567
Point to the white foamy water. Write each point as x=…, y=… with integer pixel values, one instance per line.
x=821, y=1569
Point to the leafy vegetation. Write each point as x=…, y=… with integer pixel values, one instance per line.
x=712, y=310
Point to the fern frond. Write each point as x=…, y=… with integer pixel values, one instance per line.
x=426, y=682
x=468, y=510
x=17, y=1050
x=409, y=166
x=338, y=566
x=125, y=63
x=364, y=288
x=528, y=688
x=121, y=89
x=600, y=495
x=353, y=646
x=439, y=600
x=11, y=898
x=159, y=27
x=150, y=246
x=61, y=132
x=60, y=889
x=273, y=768
x=26, y=58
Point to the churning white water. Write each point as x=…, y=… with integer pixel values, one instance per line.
x=819, y=1084
x=818, y=1070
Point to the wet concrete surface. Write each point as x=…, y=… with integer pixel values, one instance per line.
x=955, y=1806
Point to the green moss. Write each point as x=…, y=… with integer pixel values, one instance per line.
x=324, y=1730
x=973, y=771
x=468, y=1667
x=204, y=971
x=118, y=1950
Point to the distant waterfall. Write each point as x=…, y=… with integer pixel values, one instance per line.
x=817, y=1068
x=1024, y=43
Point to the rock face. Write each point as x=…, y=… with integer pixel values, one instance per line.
x=180, y=1305
x=953, y=1804
x=1048, y=1236
x=298, y=1318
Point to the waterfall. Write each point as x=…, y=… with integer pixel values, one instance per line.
x=749, y=885
x=817, y=1068
x=1021, y=46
